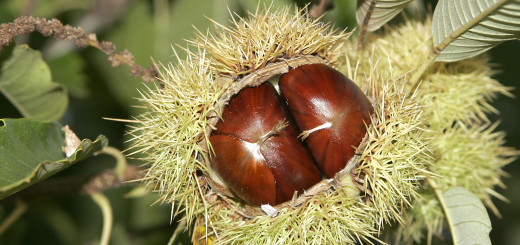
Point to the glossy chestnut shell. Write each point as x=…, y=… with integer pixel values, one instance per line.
x=257, y=152
x=259, y=163
x=330, y=109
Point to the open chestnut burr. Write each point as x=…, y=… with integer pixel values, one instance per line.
x=267, y=146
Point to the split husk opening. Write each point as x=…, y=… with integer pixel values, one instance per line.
x=388, y=166
x=255, y=79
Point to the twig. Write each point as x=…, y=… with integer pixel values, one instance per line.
x=121, y=162
x=440, y=198
x=27, y=24
x=101, y=15
x=364, y=26
x=415, y=79
x=109, y=179
x=108, y=217
x=20, y=209
x=318, y=10
x=83, y=184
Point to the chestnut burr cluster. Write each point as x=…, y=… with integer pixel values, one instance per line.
x=268, y=146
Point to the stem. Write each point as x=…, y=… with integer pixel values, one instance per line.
x=180, y=228
x=440, y=197
x=275, y=130
x=19, y=210
x=101, y=200
x=317, y=11
x=364, y=26
x=415, y=79
x=416, y=76
x=121, y=162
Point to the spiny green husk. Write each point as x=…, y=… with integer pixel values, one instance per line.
x=451, y=91
x=474, y=166
x=469, y=156
x=456, y=98
x=262, y=38
x=391, y=170
x=410, y=138
x=169, y=132
x=441, y=89
x=173, y=135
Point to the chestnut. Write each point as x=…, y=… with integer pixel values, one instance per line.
x=332, y=112
x=257, y=152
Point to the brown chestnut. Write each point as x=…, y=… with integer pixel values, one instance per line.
x=331, y=111
x=257, y=152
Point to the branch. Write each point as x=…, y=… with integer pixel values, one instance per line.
x=318, y=10
x=364, y=26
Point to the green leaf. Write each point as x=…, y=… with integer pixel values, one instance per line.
x=135, y=33
x=384, y=11
x=25, y=80
x=467, y=217
x=182, y=12
x=465, y=28
x=31, y=151
x=152, y=35
x=68, y=71
x=252, y=6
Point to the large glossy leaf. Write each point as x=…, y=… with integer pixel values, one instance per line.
x=384, y=11
x=25, y=80
x=465, y=28
x=31, y=151
x=469, y=221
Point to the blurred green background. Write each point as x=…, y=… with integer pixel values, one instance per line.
x=148, y=29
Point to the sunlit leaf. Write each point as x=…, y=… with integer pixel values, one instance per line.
x=384, y=11
x=465, y=28
x=31, y=151
x=25, y=80
x=470, y=223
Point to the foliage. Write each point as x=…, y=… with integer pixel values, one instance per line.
x=479, y=26
x=467, y=216
x=26, y=81
x=32, y=151
x=64, y=85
